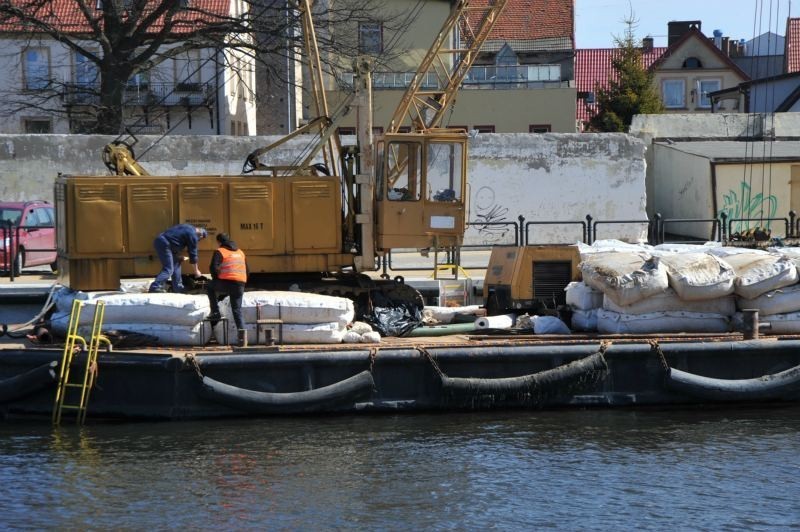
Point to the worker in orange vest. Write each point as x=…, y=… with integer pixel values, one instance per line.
x=228, y=278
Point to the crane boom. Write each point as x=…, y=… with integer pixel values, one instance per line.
x=425, y=109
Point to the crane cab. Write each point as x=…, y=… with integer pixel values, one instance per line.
x=421, y=180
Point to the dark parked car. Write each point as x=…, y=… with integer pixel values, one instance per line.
x=36, y=221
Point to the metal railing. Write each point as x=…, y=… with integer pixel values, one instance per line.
x=185, y=94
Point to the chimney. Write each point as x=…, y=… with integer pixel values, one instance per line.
x=718, y=39
x=647, y=44
x=677, y=28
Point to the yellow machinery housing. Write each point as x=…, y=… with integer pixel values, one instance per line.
x=530, y=278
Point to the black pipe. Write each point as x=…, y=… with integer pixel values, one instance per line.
x=342, y=392
x=26, y=383
x=774, y=386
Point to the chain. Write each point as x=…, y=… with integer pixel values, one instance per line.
x=655, y=348
x=192, y=361
x=373, y=354
x=432, y=360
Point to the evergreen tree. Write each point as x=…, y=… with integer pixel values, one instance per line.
x=630, y=90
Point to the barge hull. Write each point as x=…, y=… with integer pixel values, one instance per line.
x=169, y=386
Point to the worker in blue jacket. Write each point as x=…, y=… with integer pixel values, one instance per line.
x=169, y=245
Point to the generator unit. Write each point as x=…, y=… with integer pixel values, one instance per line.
x=529, y=278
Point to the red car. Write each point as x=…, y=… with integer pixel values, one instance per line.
x=36, y=221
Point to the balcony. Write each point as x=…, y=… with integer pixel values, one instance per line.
x=146, y=94
x=478, y=77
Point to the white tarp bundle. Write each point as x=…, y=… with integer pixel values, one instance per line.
x=625, y=277
x=306, y=318
x=174, y=319
x=437, y=315
x=698, y=276
x=584, y=320
x=660, y=322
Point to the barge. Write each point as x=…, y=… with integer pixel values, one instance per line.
x=463, y=372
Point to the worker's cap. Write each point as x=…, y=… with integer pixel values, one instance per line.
x=202, y=233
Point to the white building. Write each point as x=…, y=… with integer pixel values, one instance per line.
x=198, y=92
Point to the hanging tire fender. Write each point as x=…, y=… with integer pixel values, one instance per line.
x=29, y=382
x=773, y=386
x=346, y=391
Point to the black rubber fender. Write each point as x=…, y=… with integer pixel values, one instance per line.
x=773, y=386
x=26, y=383
x=526, y=383
x=346, y=391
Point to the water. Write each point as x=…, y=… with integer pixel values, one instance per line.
x=574, y=470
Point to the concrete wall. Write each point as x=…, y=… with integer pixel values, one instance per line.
x=706, y=126
x=754, y=191
x=683, y=189
x=541, y=177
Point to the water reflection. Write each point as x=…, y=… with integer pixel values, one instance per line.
x=571, y=469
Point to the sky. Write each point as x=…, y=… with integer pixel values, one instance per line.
x=598, y=21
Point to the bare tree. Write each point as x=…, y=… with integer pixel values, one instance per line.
x=116, y=40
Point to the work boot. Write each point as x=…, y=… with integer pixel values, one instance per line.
x=156, y=289
x=241, y=337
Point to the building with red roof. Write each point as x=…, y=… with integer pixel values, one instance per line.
x=52, y=87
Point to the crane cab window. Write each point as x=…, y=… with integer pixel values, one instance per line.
x=403, y=171
x=444, y=171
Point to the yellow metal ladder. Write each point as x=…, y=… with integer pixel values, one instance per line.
x=89, y=371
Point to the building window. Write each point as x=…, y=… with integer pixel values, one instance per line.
x=36, y=68
x=346, y=131
x=86, y=72
x=673, y=93
x=370, y=37
x=37, y=125
x=692, y=62
x=484, y=129
x=704, y=87
x=187, y=71
x=539, y=128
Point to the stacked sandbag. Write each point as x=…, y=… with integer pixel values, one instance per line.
x=174, y=319
x=583, y=301
x=625, y=277
x=758, y=272
x=777, y=270
x=306, y=318
x=684, y=290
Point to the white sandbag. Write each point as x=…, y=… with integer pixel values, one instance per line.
x=296, y=307
x=169, y=309
x=584, y=320
x=582, y=296
x=167, y=334
x=372, y=337
x=609, y=322
x=360, y=327
x=781, y=301
x=729, y=251
x=624, y=277
x=664, y=249
x=505, y=321
x=610, y=245
x=758, y=273
x=668, y=301
x=549, y=325
x=287, y=333
x=782, y=323
x=351, y=337
x=792, y=253
x=436, y=315
x=698, y=276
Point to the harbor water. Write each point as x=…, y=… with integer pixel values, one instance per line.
x=698, y=469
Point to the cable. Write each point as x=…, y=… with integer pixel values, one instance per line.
x=48, y=304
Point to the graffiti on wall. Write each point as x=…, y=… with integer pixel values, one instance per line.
x=744, y=204
x=488, y=219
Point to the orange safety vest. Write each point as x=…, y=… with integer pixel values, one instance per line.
x=233, y=266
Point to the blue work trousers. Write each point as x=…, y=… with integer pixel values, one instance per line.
x=170, y=265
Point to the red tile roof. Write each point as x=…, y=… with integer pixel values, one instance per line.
x=65, y=16
x=593, y=70
x=530, y=20
x=792, y=52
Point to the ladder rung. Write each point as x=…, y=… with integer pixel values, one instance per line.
x=71, y=385
x=73, y=407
